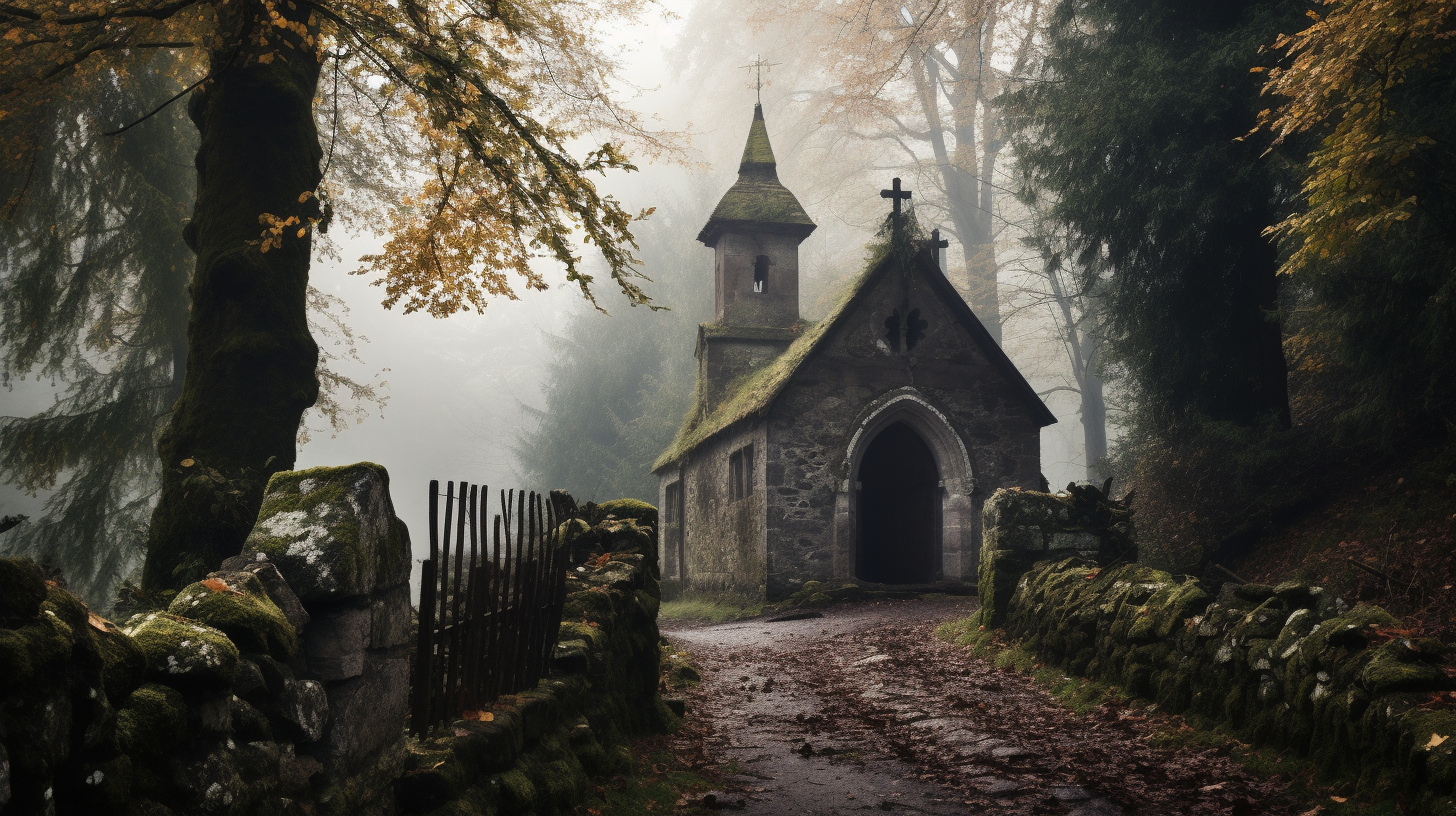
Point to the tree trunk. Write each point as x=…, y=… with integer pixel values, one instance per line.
x=1094, y=425
x=251, y=362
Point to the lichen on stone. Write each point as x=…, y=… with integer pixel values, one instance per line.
x=331, y=531
x=183, y=652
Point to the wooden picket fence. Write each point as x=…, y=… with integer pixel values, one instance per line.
x=490, y=605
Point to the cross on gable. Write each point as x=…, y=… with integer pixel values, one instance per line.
x=936, y=241
x=895, y=194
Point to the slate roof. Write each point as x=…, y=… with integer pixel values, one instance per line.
x=757, y=199
x=756, y=393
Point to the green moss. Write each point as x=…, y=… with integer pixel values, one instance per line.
x=237, y=605
x=34, y=652
x=713, y=610
x=309, y=525
x=181, y=652
x=639, y=511
x=517, y=794
x=758, y=390
x=22, y=588
x=1392, y=668
x=123, y=662
x=153, y=722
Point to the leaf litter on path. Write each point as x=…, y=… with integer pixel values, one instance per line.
x=865, y=710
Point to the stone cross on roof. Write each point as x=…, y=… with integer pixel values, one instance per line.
x=895, y=194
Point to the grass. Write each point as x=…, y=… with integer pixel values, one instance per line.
x=716, y=610
x=1081, y=695
x=657, y=784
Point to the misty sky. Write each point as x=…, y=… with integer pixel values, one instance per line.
x=456, y=385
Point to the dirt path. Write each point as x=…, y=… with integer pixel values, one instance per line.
x=864, y=710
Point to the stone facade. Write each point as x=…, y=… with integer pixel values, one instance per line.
x=799, y=407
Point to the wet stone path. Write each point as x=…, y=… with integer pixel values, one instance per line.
x=864, y=710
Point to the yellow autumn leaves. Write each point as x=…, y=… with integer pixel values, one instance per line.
x=1343, y=72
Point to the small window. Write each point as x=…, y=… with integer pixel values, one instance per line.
x=911, y=327
x=673, y=499
x=740, y=473
x=760, y=273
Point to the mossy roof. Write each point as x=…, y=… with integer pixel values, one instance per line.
x=757, y=199
x=753, y=394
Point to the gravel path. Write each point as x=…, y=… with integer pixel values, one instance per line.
x=864, y=710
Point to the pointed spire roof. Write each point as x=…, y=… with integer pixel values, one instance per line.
x=757, y=201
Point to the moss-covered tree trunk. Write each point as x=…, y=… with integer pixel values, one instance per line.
x=251, y=362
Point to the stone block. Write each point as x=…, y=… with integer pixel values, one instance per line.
x=332, y=532
x=489, y=747
x=235, y=603
x=1083, y=542
x=303, y=709
x=183, y=652
x=335, y=641
x=367, y=714
x=391, y=618
x=274, y=584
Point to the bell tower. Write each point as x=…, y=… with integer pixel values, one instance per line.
x=755, y=232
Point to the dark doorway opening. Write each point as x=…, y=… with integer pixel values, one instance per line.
x=899, y=510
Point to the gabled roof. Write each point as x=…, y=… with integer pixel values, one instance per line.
x=755, y=394
x=757, y=200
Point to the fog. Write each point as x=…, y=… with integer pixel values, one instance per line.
x=457, y=387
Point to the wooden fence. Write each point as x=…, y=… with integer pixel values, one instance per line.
x=489, y=610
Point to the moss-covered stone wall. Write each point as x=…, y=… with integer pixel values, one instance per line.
x=255, y=691
x=1286, y=665
x=1021, y=527
x=533, y=753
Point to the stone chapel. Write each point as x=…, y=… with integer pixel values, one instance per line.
x=856, y=449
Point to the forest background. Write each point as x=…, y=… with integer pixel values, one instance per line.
x=1107, y=172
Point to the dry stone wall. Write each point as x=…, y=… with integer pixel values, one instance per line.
x=1288, y=665
x=238, y=697
x=533, y=753
x=1021, y=527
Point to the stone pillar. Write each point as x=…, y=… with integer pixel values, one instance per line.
x=333, y=534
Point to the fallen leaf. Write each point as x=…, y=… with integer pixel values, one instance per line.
x=188, y=462
x=1435, y=741
x=216, y=584
x=1340, y=799
x=98, y=622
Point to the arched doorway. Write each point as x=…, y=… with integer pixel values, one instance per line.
x=898, y=540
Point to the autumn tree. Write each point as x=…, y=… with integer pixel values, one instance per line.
x=490, y=92
x=1372, y=85
x=923, y=78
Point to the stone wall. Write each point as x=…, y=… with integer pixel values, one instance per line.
x=1287, y=665
x=726, y=546
x=533, y=753
x=268, y=687
x=1022, y=527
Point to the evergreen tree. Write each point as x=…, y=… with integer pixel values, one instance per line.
x=621, y=384
x=93, y=293
x=1135, y=132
